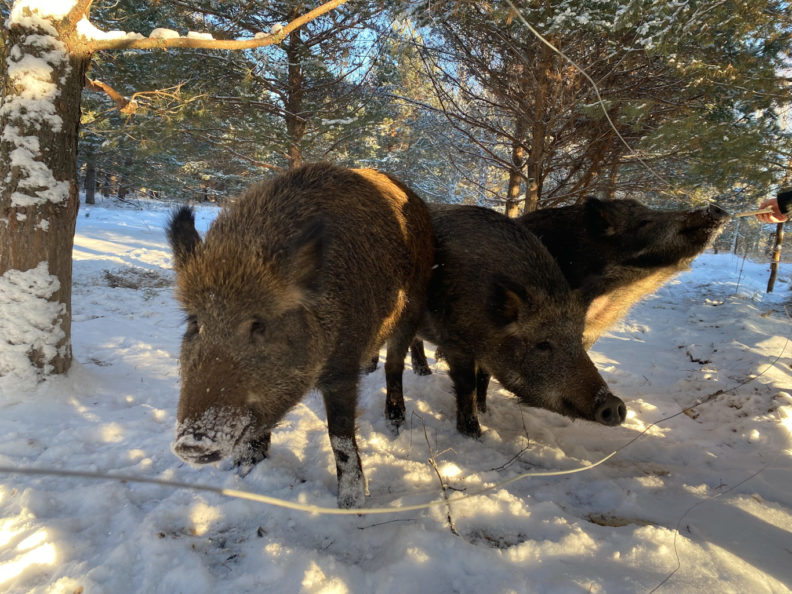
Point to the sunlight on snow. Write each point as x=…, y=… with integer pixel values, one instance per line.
x=755, y=506
x=785, y=416
x=316, y=580
x=33, y=540
x=417, y=555
x=111, y=433
x=83, y=410
x=450, y=470
x=202, y=517
x=87, y=248
x=33, y=550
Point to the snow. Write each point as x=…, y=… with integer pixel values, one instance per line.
x=90, y=31
x=28, y=318
x=199, y=35
x=30, y=103
x=702, y=499
x=160, y=33
x=45, y=9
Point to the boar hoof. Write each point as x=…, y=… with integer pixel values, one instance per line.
x=251, y=454
x=421, y=369
x=469, y=426
x=352, y=492
x=395, y=415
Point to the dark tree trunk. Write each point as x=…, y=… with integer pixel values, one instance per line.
x=779, y=239
x=106, y=185
x=39, y=193
x=516, y=170
x=295, y=92
x=534, y=169
x=90, y=181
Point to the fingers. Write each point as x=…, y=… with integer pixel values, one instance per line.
x=771, y=217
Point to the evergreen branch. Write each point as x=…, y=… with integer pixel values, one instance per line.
x=269, y=166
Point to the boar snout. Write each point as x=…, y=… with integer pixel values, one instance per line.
x=611, y=411
x=196, y=448
x=212, y=436
x=704, y=220
x=717, y=213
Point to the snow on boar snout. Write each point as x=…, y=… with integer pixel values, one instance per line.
x=216, y=435
x=295, y=284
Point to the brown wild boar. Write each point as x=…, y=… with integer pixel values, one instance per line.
x=621, y=249
x=295, y=284
x=497, y=301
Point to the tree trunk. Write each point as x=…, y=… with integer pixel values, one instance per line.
x=534, y=169
x=779, y=238
x=613, y=175
x=90, y=180
x=515, y=172
x=295, y=91
x=39, y=199
x=105, y=186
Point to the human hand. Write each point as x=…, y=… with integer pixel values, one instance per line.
x=771, y=217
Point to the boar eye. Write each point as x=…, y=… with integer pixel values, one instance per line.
x=544, y=346
x=257, y=328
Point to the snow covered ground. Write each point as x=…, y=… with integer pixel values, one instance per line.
x=700, y=502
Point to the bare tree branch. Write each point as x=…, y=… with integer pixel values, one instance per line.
x=92, y=45
x=101, y=87
x=78, y=12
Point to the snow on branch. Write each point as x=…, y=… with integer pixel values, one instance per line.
x=165, y=41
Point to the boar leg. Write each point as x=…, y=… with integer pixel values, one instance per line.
x=394, y=370
x=462, y=369
x=418, y=356
x=482, y=383
x=253, y=451
x=340, y=396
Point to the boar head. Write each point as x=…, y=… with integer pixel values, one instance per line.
x=536, y=351
x=251, y=347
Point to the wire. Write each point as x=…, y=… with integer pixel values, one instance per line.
x=303, y=507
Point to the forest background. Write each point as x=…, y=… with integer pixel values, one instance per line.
x=462, y=100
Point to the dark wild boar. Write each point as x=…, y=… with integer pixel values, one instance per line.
x=621, y=249
x=296, y=283
x=497, y=301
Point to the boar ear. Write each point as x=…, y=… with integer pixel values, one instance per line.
x=305, y=255
x=506, y=298
x=182, y=235
x=601, y=217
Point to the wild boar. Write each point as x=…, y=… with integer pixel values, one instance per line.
x=621, y=249
x=296, y=284
x=497, y=301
